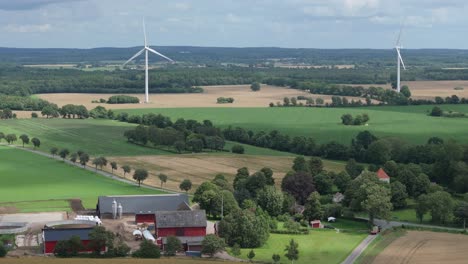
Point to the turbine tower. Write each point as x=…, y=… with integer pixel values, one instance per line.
x=146, y=49
x=400, y=62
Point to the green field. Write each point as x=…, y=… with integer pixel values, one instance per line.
x=324, y=124
x=97, y=137
x=320, y=246
x=26, y=176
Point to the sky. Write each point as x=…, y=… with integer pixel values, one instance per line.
x=234, y=23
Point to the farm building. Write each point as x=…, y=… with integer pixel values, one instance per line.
x=188, y=226
x=383, y=176
x=52, y=235
x=143, y=207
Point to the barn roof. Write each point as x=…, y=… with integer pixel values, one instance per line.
x=165, y=219
x=51, y=234
x=382, y=174
x=144, y=204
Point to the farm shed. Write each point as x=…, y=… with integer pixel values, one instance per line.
x=316, y=224
x=181, y=223
x=190, y=243
x=383, y=176
x=143, y=207
x=52, y=235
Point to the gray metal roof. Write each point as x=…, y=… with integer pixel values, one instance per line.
x=145, y=204
x=181, y=219
x=65, y=234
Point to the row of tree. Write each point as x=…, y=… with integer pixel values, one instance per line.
x=359, y=120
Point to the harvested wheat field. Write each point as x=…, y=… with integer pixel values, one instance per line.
x=202, y=167
x=426, y=247
x=243, y=97
x=26, y=114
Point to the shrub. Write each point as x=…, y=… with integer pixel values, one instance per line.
x=34, y=115
x=147, y=250
x=436, y=111
x=224, y=100
x=173, y=245
x=121, y=250
x=212, y=244
x=3, y=251
x=122, y=99
x=238, y=149
x=255, y=86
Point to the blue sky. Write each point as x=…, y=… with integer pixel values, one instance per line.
x=234, y=23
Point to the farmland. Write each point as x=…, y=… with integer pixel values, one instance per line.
x=324, y=124
x=49, y=182
x=425, y=247
x=48, y=260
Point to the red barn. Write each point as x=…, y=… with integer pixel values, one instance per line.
x=188, y=226
x=52, y=236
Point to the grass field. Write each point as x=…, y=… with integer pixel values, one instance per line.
x=26, y=176
x=320, y=246
x=324, y=124
x=163, y=260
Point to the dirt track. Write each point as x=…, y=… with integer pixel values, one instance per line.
x=426, y=247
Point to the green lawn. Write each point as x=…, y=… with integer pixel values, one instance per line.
x=26, y=176
x=320, y=246
x=324, y=124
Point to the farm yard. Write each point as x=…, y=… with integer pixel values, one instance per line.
x=324, y=124
x=51, y=183
x=425, y=247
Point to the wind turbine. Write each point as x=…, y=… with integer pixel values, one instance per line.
x=400, y=62
x=146, y=49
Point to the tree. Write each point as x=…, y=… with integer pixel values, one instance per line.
x=268, y=175
x=140, y=175
x=379, y=152
x=276, y=258
x=441, y=206
x=212, y=244
x=292, y=251
x=64, y=153
x=313, y=208
x=346, y=119
x=251, y=255
x=50, y=111
x=238, y=149
x=147, y=249
x=323, y=183
x=270, y=200
x=126, y=169
x=99, y=161
x=461, y=212
x=73, y=157
x=10, y=138
x=236, y=250
x=255, y=86
x=173, y=245
x=163, y=178
x=377, y=201
x=186, y=185
x=319, y=101
x=399, y=195
x=315, y=165
x=99, y=239
x=405, y=91
x=84, y=158
x=422, y=206
x=2, y=136
x=436, y=111
x=25, y=139
x=300, y=185
x=36, y=142
x=113, y=166
x=53, y=151
x=342, y=180
x=300, y=164
x=353, y=168
x=179, y=146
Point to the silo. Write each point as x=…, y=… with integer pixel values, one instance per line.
x=120, y=210
x=114, y=209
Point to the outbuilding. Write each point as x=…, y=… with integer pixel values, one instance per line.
x=181, y=223
x=53, y=235
x=383, y=176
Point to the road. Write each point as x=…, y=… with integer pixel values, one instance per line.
x=359, y=249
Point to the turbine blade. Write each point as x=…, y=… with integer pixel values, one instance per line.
x=159, y=54
x=144, y=31
x=399, y=34
x=401, y=59
x=134, y=56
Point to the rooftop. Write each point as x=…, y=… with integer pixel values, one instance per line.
x=382, y=174
x=165, y=219
x=144, y=204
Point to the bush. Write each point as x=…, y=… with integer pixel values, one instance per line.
x=238, y=149
x=147, y=250
x=255, y=86
x=121, y=250
x=173, y=245
x=284, y=217
x=224, y=100
x=34, y=115
x=212, y=244
x=436, y=111
x=3, y=251
x=121, y=99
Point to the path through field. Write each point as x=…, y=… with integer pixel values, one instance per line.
x=426, y=247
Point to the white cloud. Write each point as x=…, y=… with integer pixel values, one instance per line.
x=15, y=28
x=182, y=6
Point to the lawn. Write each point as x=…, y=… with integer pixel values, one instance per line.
x=26, y=176
x=320, y=246
x=324, y=124
x=96, y=137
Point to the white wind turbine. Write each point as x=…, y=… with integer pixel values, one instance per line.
x=145, y=49
x=400, y=62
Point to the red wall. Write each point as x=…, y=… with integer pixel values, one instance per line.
x=186, y=231
x=145, y=218
x=50, y=246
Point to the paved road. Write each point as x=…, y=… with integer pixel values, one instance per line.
x=359, y=249
x=100, y=172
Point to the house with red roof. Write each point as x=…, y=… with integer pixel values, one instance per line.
x=383, y=176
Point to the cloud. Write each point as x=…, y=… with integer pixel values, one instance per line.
x=182, y=6
x=14, y=28
x=11, y=5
